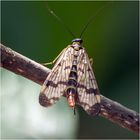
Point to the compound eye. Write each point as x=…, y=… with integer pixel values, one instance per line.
x=81, y=41
x=77, y=40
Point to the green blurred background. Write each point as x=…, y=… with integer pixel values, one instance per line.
x=111, y=40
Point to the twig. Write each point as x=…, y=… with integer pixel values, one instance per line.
x=30, y=69
x=22, y=65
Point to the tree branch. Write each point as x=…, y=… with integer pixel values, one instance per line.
x=34, y=71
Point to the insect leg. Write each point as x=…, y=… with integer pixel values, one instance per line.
x=91, y=61
x=52, y=62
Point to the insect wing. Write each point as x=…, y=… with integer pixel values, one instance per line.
x=56, y=81
x=88, y=92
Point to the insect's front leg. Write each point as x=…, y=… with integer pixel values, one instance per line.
x=52, y=62
x=91, y=61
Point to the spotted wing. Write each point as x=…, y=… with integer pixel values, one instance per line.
x=88, y=92
x=56, y=81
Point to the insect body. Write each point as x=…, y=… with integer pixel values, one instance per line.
x=73, y=77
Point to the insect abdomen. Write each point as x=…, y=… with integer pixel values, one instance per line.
x=71, y=91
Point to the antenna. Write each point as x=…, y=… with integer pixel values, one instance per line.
x=92, y=18
x=60, y=20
